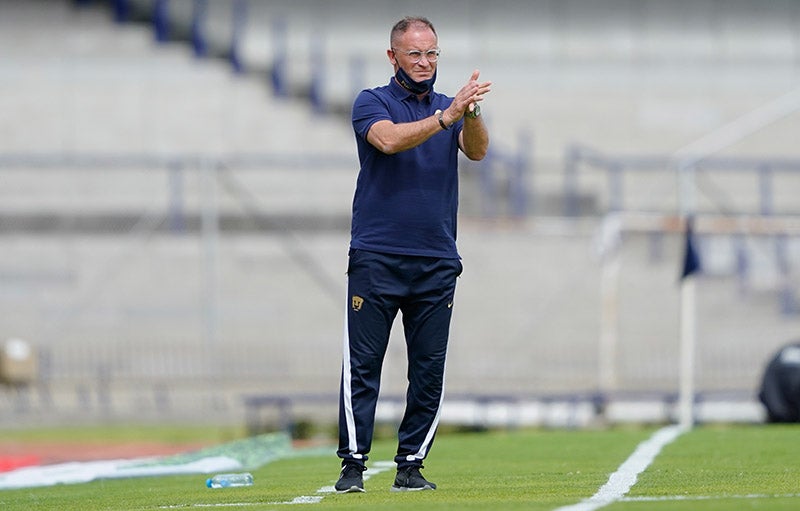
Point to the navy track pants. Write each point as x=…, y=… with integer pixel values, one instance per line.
x=380, y=285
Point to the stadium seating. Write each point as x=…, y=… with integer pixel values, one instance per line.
x=173, y=232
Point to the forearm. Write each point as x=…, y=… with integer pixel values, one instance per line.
x=391, y=138
x=474, y=138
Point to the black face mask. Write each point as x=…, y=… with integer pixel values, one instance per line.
x=412, y=86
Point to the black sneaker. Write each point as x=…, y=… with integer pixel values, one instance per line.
x=409, y=479
x=351, y=479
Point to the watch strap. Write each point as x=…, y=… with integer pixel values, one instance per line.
x=440, y=117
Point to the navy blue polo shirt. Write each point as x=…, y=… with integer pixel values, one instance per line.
x=405, y=203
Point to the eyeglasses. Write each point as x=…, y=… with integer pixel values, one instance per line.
x=416, y=55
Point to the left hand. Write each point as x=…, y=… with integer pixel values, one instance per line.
x=466, y=98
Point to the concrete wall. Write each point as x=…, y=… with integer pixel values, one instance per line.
x=134, y=317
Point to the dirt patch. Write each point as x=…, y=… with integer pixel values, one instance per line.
x=45, y=453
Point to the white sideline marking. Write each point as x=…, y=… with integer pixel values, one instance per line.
x=709, y=497
x=621, y=481
x=227, y=504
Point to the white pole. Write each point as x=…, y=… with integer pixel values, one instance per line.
x=609, y=321
x=687, y=320
x=688, y=326
x=608, y=244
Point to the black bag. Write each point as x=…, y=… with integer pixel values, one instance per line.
x=780, y=387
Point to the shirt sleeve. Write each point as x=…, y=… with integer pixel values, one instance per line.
x=368, y=109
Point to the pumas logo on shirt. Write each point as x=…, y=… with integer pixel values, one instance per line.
x=357, y=303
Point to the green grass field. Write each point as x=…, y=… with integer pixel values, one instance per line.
x=709, y=468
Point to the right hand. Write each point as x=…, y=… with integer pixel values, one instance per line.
x=466, y=98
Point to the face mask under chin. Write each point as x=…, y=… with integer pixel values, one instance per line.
x=416, y=87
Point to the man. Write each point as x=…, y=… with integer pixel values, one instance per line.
x=403, y=253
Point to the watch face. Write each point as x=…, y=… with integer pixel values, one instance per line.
x=476, y=111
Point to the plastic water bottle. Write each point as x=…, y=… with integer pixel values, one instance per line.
x=230, y=480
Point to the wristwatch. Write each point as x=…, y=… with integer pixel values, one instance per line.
x=440, y=117
x=476, y=111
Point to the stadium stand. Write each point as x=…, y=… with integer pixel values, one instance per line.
x=173, y=227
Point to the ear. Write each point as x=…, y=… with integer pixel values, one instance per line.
x=392, y=59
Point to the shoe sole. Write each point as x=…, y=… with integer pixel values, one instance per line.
x=352, y=489
x=406, y=488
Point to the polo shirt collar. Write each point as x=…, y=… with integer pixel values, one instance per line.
x=401, y=93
